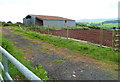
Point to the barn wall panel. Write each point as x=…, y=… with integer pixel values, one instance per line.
x=71, y=23
x=53, y=23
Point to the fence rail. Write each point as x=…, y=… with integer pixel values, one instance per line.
x=4, y=66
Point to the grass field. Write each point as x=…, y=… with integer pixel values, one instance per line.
x=103, y=54
x=105, y=25
x=102, y=24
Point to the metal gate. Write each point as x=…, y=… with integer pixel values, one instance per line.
x=4, y=66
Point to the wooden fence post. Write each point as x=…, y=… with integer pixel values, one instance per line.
x=101, y=37
x=48, y=29
x=113, y=38
x=20, y=26
x=67, y=33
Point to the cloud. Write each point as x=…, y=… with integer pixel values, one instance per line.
x=15, y=10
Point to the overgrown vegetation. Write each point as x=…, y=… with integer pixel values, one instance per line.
x=106, y=25
x=9, y=23
x=104, y=54
x=50, y=28
x=78, y=27
x=39, y=71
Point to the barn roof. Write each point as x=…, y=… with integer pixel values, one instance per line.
x=50, y=17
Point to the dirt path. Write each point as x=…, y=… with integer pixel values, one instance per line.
x=61, y=63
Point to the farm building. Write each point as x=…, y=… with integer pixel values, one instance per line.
x=45, y=21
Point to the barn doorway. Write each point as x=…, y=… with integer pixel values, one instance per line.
x=39, y=22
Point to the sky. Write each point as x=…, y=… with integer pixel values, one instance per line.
x=16, y=10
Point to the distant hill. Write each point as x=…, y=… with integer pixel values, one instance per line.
x=112, y=21
x=109, y=24
x=96, y=20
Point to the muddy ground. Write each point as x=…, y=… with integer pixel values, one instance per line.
x=86, y=35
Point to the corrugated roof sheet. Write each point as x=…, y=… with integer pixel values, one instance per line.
x=50, y=17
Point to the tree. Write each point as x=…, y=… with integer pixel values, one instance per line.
x=9, y=22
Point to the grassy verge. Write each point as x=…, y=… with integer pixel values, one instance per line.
x=50, y=28
x=58, y=61
x=39, y=71
x=103, y=54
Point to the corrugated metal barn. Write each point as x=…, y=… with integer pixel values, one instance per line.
x=45, y=21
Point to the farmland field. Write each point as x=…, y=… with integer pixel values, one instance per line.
x=92, y=36
x=103, y=24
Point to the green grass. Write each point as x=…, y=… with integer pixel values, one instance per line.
x=0, y=61
x=58, y=61
x=103, y=54
x=109, y=25
x=104, y=25
x=0, y=56
x=87, y=26
x=50, y=28
x=78, y=27
x=39, y=71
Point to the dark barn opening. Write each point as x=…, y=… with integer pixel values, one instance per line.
x=39, y=22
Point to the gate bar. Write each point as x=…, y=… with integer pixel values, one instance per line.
x=25, y=71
